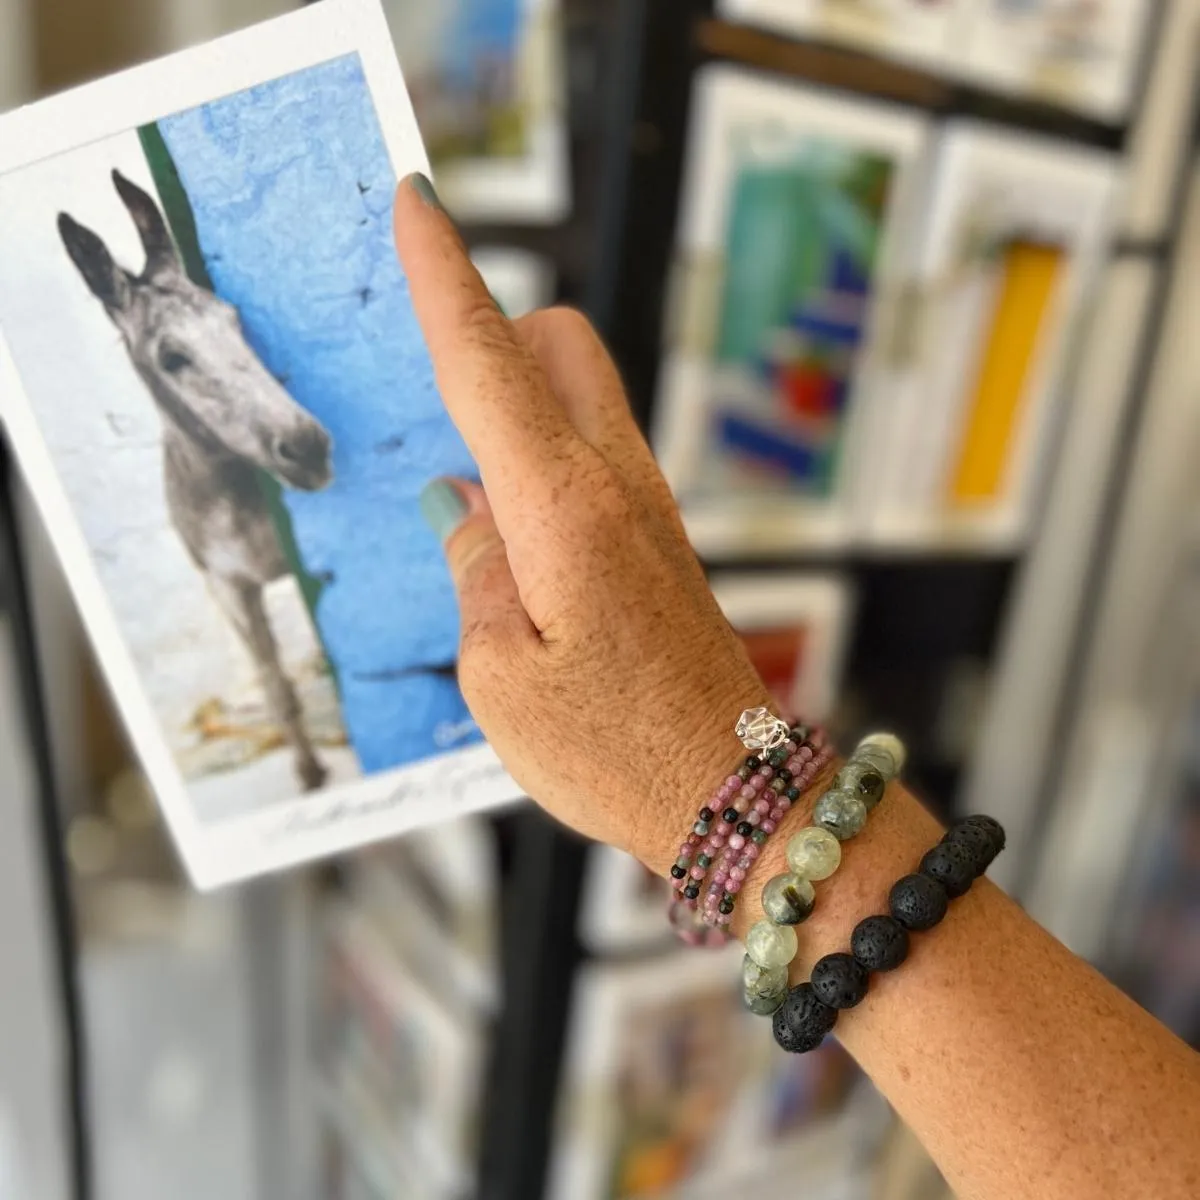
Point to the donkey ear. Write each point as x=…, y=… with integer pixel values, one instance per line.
x=160, y=250
x=89, y=253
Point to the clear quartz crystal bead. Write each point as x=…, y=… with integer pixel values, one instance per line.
x=760, y=729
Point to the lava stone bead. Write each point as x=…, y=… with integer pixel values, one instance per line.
x=879, y=943
x=839, y=980
x=952, y=865
x=918, y=902
x=802, y=1021
x=982, y=837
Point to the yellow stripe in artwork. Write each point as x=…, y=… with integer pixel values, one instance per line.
x=1025, y=290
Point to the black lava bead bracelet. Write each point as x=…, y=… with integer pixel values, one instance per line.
x=917, y=902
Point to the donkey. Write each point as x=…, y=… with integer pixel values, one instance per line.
x=224, y=418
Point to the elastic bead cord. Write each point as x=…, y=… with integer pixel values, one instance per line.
x=880, y=943
x=814, y=854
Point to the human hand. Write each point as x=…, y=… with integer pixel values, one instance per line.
x=593, y=654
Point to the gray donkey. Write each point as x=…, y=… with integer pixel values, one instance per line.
x=224, y=418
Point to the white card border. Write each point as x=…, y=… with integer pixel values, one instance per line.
x=338, y=818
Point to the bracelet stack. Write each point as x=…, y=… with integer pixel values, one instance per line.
x=917, y=902
x=814, y=854
x=734, y=825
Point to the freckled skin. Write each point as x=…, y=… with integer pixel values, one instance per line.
x=598, y=664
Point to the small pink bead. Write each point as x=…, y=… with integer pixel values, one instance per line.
x=805, y=752
x=768, y=826
x=686, y=848
x=783, y=803
x=733, y=782
x=737, y=874
x=791, y=746
x=776, y=814
x=766, y=772
x=717, y=841
x=736, y=841
x=719, y=878
x=753, y=818
x=741, y=805
x=751, y=853
x=762, y=805
x=735, y=886
x=723, y=827
x=747, y=793
x=697, y=873
x=757, y=783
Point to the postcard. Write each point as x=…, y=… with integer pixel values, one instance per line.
x=784, y=281
x=213, y=378
x=1017, y=231
x=914, y=30
x=488, y=83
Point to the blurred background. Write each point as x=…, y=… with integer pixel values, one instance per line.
x=900, y=290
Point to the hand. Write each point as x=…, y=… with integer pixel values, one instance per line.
x=593, y=654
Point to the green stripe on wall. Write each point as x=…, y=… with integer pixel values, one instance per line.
x=181, y=221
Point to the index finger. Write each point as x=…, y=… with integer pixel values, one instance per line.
x=496, y=392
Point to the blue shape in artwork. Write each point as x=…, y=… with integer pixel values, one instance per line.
x=291, y=188
x=767, y=447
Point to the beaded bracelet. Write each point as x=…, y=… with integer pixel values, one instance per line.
x=917, y=902
x=814, y=854
x=750, y=802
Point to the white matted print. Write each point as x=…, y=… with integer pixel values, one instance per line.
x=916, y=30
x=519, y=280
x=787, y=253
x=1082, y=54
x=488, y=83
x=1017, y=231
x=672, y=1087
x=214, y=381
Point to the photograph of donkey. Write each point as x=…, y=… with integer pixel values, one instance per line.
x=225, y=418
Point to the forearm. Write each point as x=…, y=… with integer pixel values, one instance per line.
x=1021, y=1069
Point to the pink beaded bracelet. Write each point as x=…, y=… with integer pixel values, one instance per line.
x=751, y=802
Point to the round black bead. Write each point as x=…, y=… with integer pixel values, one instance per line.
x=917, y=902
x=879, y=943
x=792, y=794
x=802, y=1021
x=744, y=773
x=730, y=815
x=678, y=872
x=952, y=865
x=839, y=980
x=784, y=774
x=706, y=814
x=744, y=828
x=691, y=891
x=982, y=837
x=726, y=907
x=777, y=758
x=754, y=762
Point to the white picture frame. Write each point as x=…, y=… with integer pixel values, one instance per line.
x=520, y=281
x=907, y=30
x=529, y=188
x=990, y=185
x=345, y=812
x=1080, y=57
x=728, y=103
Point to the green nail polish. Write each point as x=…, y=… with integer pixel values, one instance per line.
x=423, y=186
x=443, y=507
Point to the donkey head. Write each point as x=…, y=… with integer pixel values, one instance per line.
x=188, y=345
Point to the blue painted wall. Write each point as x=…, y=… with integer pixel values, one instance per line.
x=292, y=190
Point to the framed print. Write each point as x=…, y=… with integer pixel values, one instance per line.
x=520, y=280
x=488, y=85
x=1081, y=54
x=213, y=378
x=786, y=254
x=671, y=1086
x=915, y=30
x=1017, y=230
x=399, y=1077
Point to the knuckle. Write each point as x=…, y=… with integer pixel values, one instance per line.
x=486, y=327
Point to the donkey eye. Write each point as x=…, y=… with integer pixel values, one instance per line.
x=173, y=361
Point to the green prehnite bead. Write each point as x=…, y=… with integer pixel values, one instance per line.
x=814, y=853
x=881, y=744
x=863, y=779
x=758, y=838
x=788, y=899
x=841, y=813
x=763, y=988
x=700, y=828
x=771, y=945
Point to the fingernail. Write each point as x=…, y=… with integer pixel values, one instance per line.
x=423, y=186
x=443, y=506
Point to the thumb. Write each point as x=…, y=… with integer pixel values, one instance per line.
x=459, y=513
